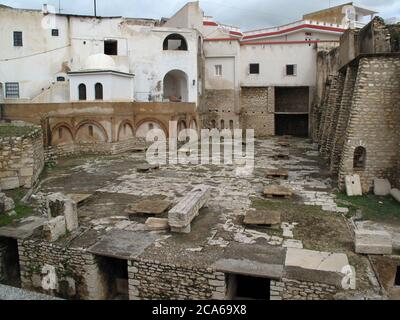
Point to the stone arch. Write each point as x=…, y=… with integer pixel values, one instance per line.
x=126, y=130
x=359, y=158
x=175, y=86
x=181, y=125
x=193, y=124
x=175, y=41
x=62, y=133
x=90, y=131
x=145, y=125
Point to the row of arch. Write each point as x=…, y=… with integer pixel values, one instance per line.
x=91, y=131
x=98, y=91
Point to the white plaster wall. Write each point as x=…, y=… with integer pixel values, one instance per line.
x=35, y=64
x=273, y=60
x=115, y=87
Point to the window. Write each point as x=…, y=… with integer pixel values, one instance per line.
x=91, y=131
x=18, y=39
x=360, y=157
x=12, y=90
x=291, y=69
x=151, y=126
x=60, y=79
x=218, y=70
x=55, y=32
x=222, y=124
x=111, y=47
x=231, y=125
x=254, y=68
x=98, y=90
x=175, y=42
x=82, y=91
x=59, y=133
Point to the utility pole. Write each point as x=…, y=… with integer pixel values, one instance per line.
x=95, y=8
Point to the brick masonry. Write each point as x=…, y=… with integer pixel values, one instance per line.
x=21, y=160
x=373, y=121
x=257, y=110
x=74, y=266
x=287, y=289
x=153, y=280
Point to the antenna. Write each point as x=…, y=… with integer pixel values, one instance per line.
x=59, y=6
x=95, y=8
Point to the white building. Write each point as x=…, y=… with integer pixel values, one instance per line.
x=41, y=52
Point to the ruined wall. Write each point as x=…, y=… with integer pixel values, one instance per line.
x=300, y=290
x=21, y=160
x=67, y=150
x=220, y=105
x=257, y=110
x=343, y=114
x=78, y=274
x=373, y=120
x=153, y=280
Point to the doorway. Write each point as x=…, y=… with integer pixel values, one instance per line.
x=115, y=273
x=243, y=287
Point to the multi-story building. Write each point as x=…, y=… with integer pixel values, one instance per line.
x=261, y=79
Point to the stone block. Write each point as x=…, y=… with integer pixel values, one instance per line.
x=382, y=187
x=373, y=242
x=256, y=217
x=150, y=207
x=353, y=185
x=156, y=224
x=26, y=172
x=9, y=183
x=277, y=173
x=395, y=194
x=54, y=229
x=181, y=216
x=61, y=205
x=276, y=191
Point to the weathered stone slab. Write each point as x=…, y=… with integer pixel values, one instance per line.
x=382, y=187
x=395, y=194
x=156, y=224
x=79, y=198
x=277, y=173
x=54, y=228
x=9, y=183
x=123, y=244
x=353, y=185
x=150, y=207
x=373, y=242
x=262, y=217
x=277, y=191
x=181, y=216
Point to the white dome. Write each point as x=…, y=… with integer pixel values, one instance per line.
x=99, y=62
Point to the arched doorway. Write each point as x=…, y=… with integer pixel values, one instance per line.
x=176, y=86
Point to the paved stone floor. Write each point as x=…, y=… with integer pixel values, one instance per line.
x=310, y=219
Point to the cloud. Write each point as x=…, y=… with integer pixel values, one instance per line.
x=249, y=14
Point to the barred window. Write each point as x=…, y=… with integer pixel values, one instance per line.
x=55, y=32
x=18, y=39
x=12, y=90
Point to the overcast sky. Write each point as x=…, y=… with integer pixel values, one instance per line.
x=247, y=14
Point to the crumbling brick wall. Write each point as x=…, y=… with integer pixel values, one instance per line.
x=257, y=110
x=21, y=160
x=75, y=269
x=154, y=280
x=373, y=122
